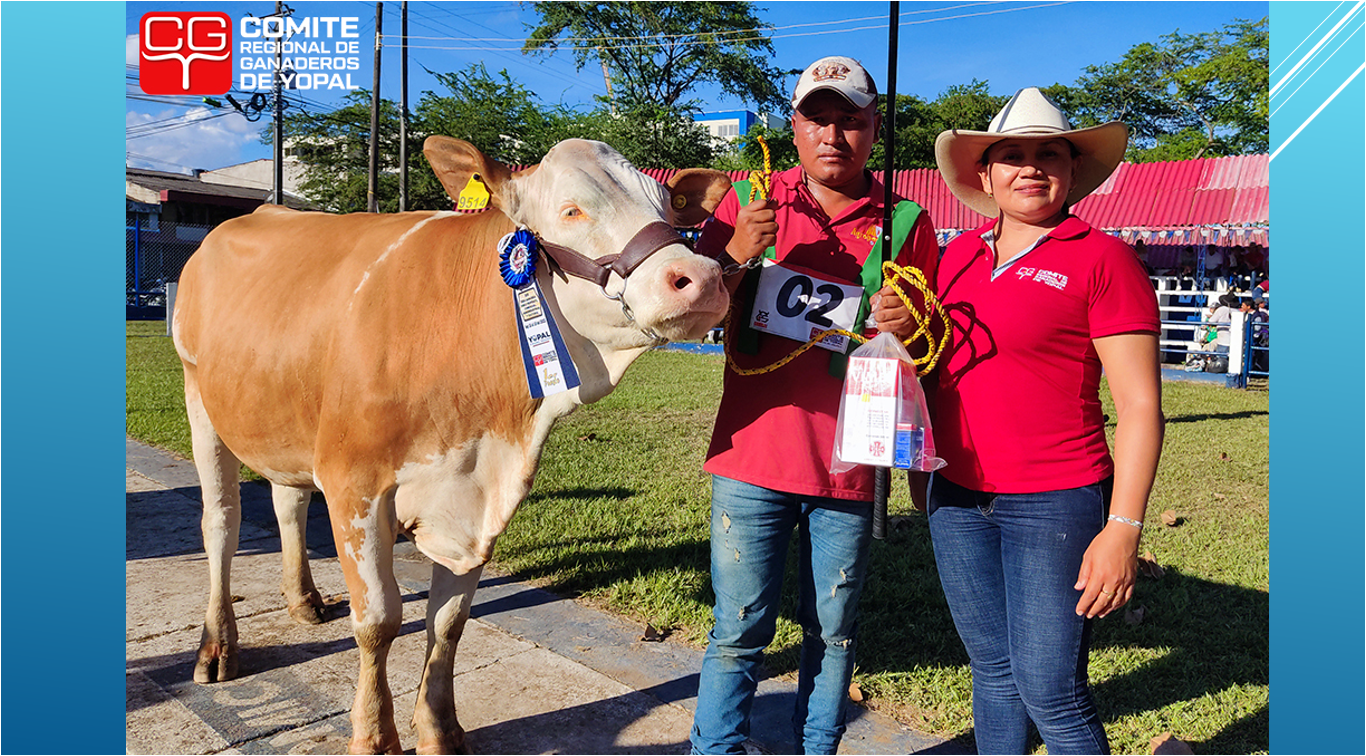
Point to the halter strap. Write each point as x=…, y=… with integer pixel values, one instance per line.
x=655, y=236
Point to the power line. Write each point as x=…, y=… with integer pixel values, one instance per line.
x=756, y=37
x=754, y=30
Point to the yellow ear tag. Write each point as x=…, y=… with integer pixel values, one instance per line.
x=474, y=197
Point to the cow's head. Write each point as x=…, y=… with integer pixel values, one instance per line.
x=584, y=196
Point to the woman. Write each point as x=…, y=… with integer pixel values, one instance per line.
x=1035, y=525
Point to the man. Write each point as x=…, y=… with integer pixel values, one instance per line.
x=770, y=451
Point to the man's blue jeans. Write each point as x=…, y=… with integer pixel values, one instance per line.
x=750, y=529
x=1008, y=564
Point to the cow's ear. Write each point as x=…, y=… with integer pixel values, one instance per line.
x=695, y=193
x=454, y=161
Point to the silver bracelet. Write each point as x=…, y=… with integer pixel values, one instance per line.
x=1128, y=521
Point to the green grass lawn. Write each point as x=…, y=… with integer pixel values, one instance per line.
x=618, y=517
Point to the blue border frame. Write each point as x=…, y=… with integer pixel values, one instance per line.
x=62, y=396
x=62, y=542
x=1317, y=393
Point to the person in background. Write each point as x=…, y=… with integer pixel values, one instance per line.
x=1261, y=336
x=1221, y=315
x=770, y=450
x=1035, y=524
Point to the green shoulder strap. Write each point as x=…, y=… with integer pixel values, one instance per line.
x=746, y=338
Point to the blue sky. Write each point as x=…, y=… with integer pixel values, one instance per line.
x=1007, y=44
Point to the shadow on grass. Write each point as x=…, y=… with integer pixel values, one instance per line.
x=1244, y=415
x=1205, y=637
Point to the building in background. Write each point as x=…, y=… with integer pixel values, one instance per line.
x=726, y=126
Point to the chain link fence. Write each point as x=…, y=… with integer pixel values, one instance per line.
x=157, y=252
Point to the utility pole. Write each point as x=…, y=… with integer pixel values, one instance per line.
x=372, y=190
x=403, y=110
x=279, y=135
x=607, y=79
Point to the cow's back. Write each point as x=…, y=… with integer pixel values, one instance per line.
x=286, y=319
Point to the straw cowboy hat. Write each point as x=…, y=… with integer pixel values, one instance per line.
x=1028, y=115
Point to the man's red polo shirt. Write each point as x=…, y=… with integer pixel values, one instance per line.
x=777, y=429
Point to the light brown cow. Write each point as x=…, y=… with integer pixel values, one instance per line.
x=376, y=358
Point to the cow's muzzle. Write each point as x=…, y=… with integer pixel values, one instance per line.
x=655, y=236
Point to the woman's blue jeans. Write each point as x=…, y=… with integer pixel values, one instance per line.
x=750, y=529
x=1008, y=564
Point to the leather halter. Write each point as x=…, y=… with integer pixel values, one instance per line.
x=655, y=236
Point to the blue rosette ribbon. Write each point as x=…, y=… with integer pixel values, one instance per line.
x=517, y=258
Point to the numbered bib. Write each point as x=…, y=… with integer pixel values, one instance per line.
x=798, y=305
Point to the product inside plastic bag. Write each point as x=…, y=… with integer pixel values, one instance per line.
x=883, y=419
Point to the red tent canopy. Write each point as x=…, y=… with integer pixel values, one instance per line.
x=1222, y=201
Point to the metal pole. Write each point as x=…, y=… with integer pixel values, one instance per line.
x=279, y=135
x=403, y=110
x=882, y=475
x=372, y=188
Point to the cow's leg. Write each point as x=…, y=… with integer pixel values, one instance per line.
x=448, y=607
x=364, y=531
x=221, y=523
x=296, y=580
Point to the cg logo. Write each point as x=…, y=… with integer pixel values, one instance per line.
x=185, y=53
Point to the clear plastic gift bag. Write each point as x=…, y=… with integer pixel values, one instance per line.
x=883, y=418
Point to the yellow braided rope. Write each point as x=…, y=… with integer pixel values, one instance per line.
x=761, y=184
x=892, y=274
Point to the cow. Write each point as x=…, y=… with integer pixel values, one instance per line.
x=378, y=359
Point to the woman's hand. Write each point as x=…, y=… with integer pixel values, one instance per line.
x=1110, y=564
x=1108, y=570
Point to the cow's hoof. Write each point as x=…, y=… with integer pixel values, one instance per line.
x=367, y=745
x=308, y=610
x=451, y=743
x=216, y=663
x=308, y=614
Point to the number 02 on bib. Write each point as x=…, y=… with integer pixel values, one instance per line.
x=798, y=305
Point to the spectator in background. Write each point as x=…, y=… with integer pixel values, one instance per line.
x=1256, y=258
x=1261, y=336
x=1141, y=250
x=1187, y=260
x=1214, y=261
x=1221, y=315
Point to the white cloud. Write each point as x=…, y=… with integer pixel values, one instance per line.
x=202, y=138
x=130, y=50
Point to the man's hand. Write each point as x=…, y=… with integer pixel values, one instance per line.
x=890, y=314
x=756, y=229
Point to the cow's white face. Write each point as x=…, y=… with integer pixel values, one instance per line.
x=587, y=197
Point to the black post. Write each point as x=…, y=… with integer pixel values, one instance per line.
x=278, y=186
x=881, y=475
x=372, y=188
x=403, y=110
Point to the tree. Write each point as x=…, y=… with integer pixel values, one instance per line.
x=1186, y=97
x=658, y=52
x=500, y=117
x=648, y=134
x=334, y=148
x=494, y=113
x=919, y=123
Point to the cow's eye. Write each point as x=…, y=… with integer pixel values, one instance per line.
x=571, y=212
